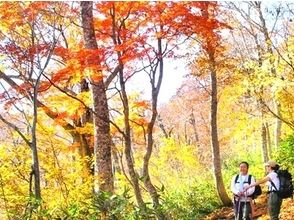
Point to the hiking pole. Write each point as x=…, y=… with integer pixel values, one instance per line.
x=244, y=216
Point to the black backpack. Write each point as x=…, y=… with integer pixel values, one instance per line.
x=286, y=184
x=257, y=191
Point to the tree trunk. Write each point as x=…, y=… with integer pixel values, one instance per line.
x=87, y=117
x=102, y=139
x=161, y=125
x=278, y=126
x=117, y=168
x=210, y=49
x=193, y=122
x=268, y=138
x=34, y=148
x=84, y=149
x=264, y=142
x=154, y=94
x=269, y=46
x=125, y=101
x=130, y=163
x=214, y=138
x=185, y=133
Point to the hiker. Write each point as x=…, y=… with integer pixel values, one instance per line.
x=242, y=200
x=273, y=183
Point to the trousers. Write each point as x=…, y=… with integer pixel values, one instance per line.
x=274, y=205
x=243, y=210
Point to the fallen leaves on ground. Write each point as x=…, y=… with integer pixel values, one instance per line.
x=287, y=211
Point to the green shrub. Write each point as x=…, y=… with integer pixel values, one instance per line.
x=285, y=154
x=192, y=202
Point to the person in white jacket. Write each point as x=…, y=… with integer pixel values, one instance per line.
x=242, y=200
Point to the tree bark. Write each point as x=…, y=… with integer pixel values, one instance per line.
x=84, y=149
x=116, y=37
x=214, y=137
x=161, y=125
x=193, y=122
x=264, y=143
x=269, y=142
x=87, y=117
x=35, y=166
x=154, y=94
x=116, y=163
x=278, y=128
x=210, y=48
x=128, y=143
x=102, y=139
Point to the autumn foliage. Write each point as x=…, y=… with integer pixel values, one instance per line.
x=68, y=97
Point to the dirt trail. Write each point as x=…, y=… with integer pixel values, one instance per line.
x=287, y=211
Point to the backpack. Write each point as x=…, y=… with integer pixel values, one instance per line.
x=286, y=184
x=257, y=191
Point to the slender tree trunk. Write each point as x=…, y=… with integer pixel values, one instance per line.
x=147, y=180
x=196, y=139
x=268, y=138
x=102, y=139
x=214, y=138
x=34, y=148
x=128, y=143
x=278, y=126
x=193, y=122
x=161, y=125
x=264, y=142
x=185, y=133
x=210, y=49
x=154, y=94
x=124, y=98
x=116, y=162
x=268, y=44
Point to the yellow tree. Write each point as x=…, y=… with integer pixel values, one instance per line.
x=212, y=48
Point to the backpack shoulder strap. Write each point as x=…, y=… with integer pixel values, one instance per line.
x=272, y=183
x=249, y=179
x=236, y=178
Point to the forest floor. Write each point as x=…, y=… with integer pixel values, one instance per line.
x=287, y=211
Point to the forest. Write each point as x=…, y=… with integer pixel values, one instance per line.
x=141, y=109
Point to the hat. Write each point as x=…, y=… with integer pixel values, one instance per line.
x=271, y=163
